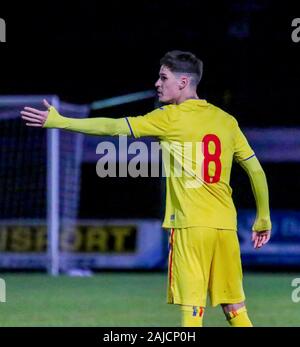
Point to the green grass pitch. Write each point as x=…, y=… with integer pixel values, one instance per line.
x=131, y=300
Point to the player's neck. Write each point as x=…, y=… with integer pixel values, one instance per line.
x=183, y=98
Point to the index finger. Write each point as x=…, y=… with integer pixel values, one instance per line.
x=34, y=110
x=255, y=242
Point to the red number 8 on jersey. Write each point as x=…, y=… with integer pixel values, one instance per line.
x=211, y=157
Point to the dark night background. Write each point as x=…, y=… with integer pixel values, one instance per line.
x=89, y=50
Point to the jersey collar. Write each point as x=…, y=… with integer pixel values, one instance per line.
x=200, y=102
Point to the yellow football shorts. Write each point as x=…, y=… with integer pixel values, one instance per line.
x=204, y=260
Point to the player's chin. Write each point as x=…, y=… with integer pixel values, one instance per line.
x=163, y=99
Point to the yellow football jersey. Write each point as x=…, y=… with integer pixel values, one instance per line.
x=199, y=142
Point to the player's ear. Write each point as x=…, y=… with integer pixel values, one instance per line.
x=183, y=82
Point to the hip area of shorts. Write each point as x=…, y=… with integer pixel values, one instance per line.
x=168, y=229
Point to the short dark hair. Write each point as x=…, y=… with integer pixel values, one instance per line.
x=185, y=62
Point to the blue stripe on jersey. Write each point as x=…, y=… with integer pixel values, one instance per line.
x=253, y=155
x=132, y=134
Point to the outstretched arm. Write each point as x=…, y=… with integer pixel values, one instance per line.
x=261, y=230
x=50, y=118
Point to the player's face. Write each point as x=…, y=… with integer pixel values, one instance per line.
x=167, y=86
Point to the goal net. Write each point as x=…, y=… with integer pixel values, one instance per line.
x=39, y=185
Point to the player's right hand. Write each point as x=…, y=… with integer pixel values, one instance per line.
x=260, y=238
x=35, y=117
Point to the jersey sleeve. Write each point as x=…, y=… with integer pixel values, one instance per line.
x=242, y=149
x=91, y=126
x=259, y=187
x=156, y=123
